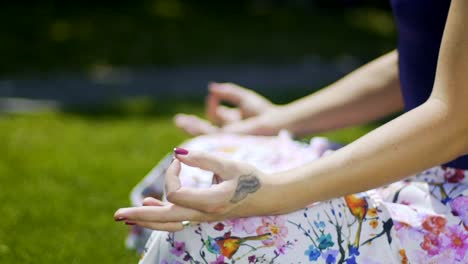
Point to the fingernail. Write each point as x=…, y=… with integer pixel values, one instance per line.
x=120, y=218
x=130, y=223
x=180, y=151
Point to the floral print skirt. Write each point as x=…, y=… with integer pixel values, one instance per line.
x=422, y=219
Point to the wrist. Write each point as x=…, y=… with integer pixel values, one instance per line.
x=267, y=200
x=271, y=121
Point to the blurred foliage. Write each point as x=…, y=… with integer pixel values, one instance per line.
x=81, y=35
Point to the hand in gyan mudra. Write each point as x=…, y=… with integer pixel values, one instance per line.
x=249, y=114
x=231, y=195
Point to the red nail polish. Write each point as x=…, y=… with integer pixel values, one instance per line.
x=130, y=223
x=180, y=151
x=120, y=218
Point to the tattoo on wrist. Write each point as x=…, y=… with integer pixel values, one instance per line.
x=246, y=184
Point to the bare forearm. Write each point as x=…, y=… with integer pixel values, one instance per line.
x=431, y=134
x=369, y=93
x=415, y=141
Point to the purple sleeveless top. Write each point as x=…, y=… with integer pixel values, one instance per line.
x=420, y=26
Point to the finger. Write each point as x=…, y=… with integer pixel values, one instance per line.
x=172, y=180
x=207, y=200
x=169, y=227
x=249, y=126
x=211, y=106
x=194, y=125
x=150, y=201
x=162, y=214
x=228, y=115
x=223, y=167
x=249, y=102
x=228, y=92
x=219, y=114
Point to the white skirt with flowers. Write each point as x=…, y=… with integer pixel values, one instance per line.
x=422, y=219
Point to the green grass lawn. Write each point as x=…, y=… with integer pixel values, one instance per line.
x=62, y=175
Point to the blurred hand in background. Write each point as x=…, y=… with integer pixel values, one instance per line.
x=251, y=113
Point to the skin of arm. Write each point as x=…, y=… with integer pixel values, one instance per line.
x=368, y=93
x=431, y=134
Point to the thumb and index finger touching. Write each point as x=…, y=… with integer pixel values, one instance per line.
x=206, y=199
x=227, y=92
x=224, y=92
x=216, y=113
x=229, y=119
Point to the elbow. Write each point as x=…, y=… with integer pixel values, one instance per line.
x=464, y=133
x=457, y=123
x=454, y=121
x=460, y=135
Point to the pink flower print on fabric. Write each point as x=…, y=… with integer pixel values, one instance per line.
x=432, y=244
x=458, y=241
x=219, y=260
x=275, y=225
x=178, y=249
x=247, y=225
x=454, y=175
x=434, y=224
x=459, y=207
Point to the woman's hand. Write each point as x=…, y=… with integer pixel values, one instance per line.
x=250, y=114
x=232, y=195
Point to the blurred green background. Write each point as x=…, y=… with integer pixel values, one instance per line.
x=80, y=35
x=64, y=171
